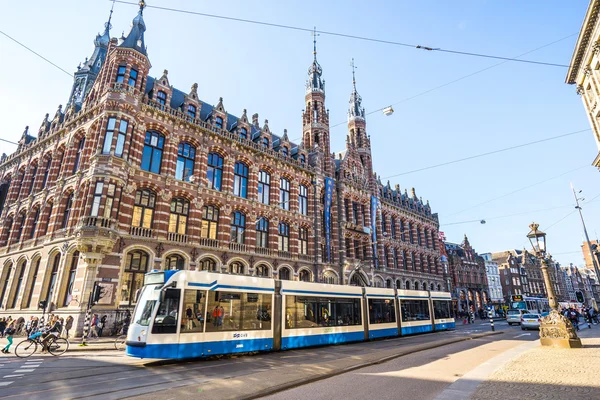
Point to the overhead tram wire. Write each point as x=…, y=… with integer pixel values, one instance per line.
x=383, y=41
x=486, y=153
x=37, y=54
x=8, y=141
x=464, y=77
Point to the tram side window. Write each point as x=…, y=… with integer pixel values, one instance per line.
x=414, y=310
x=314, y=312
x=193, y=314
x=441, y=309
x=381, y=311
x=166, y=316
x=232, y=311
x=144, y=314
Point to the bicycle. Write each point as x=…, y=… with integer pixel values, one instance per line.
x=120, y=342
x=55, y=345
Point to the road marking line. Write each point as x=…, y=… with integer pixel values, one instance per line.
x=6, y=383
x=31, y=365
x=523, y=334
x=12, y=376
x=37, y=359
x=24, y=370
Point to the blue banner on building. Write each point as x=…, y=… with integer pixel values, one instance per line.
x=374, y=207
x=327, y=216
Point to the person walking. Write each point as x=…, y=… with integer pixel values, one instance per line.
x=94, y=326
x=101, y=324
x=68, y=324
x=9, y=332
x=2, y=327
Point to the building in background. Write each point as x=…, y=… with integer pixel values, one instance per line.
x=493, y=280
x=469, y=281
x=136, y=175
x=510, y=274
x=584, y=70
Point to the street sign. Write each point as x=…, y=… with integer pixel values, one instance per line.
x=517, y=297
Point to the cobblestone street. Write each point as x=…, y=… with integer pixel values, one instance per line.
x=547, y=373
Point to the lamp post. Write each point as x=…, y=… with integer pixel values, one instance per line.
x=555, y=329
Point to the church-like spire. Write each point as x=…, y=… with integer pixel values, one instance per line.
x=135, y=37
x=315, y=83
x=355, y=111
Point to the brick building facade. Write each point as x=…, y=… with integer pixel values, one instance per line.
x=136, y=175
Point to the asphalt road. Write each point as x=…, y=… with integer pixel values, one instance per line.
x=111, y=375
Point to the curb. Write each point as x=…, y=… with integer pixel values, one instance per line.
x=415, y=349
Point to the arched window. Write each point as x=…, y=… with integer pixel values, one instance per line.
x=143, y=209
x=303, y=200
x=240, y=179
x=407, y=285
x=419, y=236
x=179, y=216
x=236, y=268
x=413, y=258
x=78, y=154
x=191, y=111
x=67, y=211
x=384, y=223
x=5, y=278
x=210, y=222
x=393, y=228
x=285, y=151
x=283, y=241
x=208, y=264
x=302, y=159
x=402, y=227
x=262, y=270
x=186, y=153
x=35, y=267
x=34, y=171
x=398, y=284
x=388, y=283
x=161, y=97
x=153, y=150
x=264, y=187
x=136, y=266
x=303, y=241
x=411, y=238
x=243, y=133
x=262, y=233
x=265, y=142
x=439, y=287
x=51, y=283
x=17, y=284
x=284, y=274
x=416, y=285
x=219, y=122
x=175, y=262
x=330, y=278
x=432, y=287
x=404, y=260
x=46, y=172
x=22, y=219
x=48, y=216
x=304, y=276
x=214, y=172
x=284, y=193
x=238, y=227
x=71, y=279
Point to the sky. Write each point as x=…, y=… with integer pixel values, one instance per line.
x=263, y=69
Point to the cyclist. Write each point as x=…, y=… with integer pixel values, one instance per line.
x=55, y=327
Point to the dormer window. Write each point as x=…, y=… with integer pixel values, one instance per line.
x=191, y=110
x=161, y=97
x=219, y=122
x=302, y=159
x=121, y=74
x=133, y=74
x=265, y=142
x=244, y=133
x=285, y=151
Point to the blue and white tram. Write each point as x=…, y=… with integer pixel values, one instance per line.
x=190, y=314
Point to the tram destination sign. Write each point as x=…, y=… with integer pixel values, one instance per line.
x=517, y=297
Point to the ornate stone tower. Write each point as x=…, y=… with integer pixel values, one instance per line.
x=315, y=121
x=86, y=73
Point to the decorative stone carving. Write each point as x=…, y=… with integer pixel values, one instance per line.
x=580, y=90
x=166, y=195
x=130, y=188
x=224, y=257
x=587, y=71
x=159, y=249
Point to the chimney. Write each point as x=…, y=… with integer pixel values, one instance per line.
x=255, y=121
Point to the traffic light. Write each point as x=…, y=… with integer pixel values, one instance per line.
x=579, y=296
x=98, y=292
x=43, y=304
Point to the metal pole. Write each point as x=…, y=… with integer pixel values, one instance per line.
x=492, y=321
x=587, y=238
x=550, y=289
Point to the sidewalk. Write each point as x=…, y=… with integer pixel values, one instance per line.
x=101, y=344
x=548, y=373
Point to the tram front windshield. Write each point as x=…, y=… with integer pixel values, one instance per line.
x=146, y=303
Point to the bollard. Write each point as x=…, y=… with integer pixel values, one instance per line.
x=86, y=326
x=492, y=323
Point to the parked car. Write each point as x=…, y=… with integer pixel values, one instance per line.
x=530, y=321
x=514, y=316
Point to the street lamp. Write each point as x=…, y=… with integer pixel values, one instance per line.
x=555, y=329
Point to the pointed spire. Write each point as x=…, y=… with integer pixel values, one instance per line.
x=356, y=110
x=315, y=83
x=135, y=37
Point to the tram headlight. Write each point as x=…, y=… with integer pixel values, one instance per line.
x=143, y=333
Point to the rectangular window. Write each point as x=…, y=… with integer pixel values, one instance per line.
x=316, y=312
x=108, y=136
x=303, y=241
x=121, y=138
x=355, y=213
x=133, y=74
x=110, y=198
x=121, y=74
x=414, y=310
x=232, y=311
x=303, y=200
x=166, y=319
x=284, y=193
x=381, y=311
x=193, y=314
x=441, y=309
x=97, y=199
x=264, y=187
